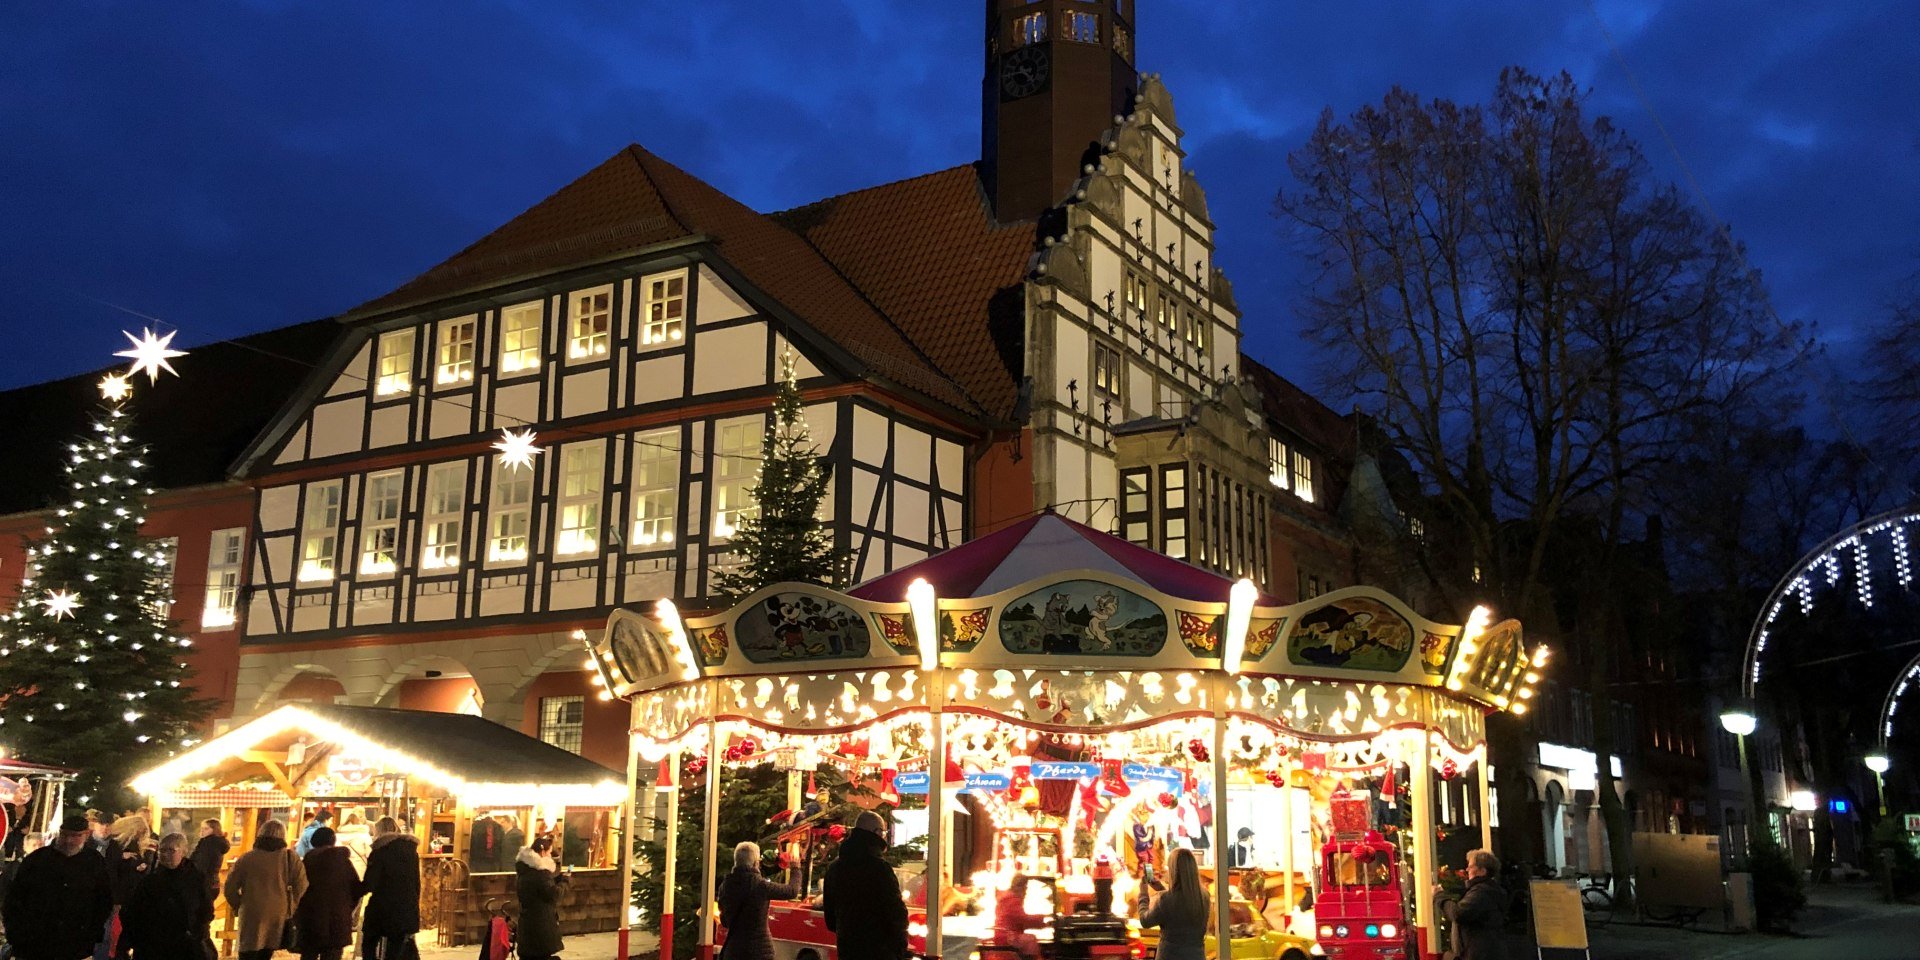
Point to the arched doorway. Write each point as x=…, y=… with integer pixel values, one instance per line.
x=433, y=684
x=1559, y=841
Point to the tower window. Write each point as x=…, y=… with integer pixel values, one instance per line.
x=1030, y=29
x=1081, y=27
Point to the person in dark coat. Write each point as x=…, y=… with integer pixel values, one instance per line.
x=167, y=914
x=210, y=855
x=743, y=906
x=323, y=922
x=60, y=899
x=1181, y=912
x=539, y=883
x=1482, y=910
x=392, y=886
x=861, y=901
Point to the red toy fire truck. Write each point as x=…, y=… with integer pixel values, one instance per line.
x=1360, y=912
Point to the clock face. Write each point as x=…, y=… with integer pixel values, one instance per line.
x=1023, y=72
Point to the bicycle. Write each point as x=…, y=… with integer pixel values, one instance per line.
x=1596, y=898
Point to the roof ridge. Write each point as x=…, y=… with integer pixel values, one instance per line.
x=640, y=157
x=877, y=186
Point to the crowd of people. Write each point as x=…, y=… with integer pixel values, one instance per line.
x=109, y=889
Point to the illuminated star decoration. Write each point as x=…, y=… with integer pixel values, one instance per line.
x=150, y=354
x=60, y=604
x=115, y=387
x=516, y=448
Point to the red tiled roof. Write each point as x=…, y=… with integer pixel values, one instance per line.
x=928, y=252
x=635, y=200
x=1297, y=410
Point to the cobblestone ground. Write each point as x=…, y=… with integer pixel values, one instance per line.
x=1840, y=923
x=591, y=946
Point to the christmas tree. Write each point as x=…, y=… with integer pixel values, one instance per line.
x=784, y=540
x=91, y=675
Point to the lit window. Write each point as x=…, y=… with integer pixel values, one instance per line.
x=165, y=555
x=319, y=531
x=1031, y=28
x=1167, y=315
x=736, y=463
x=1136, y=294
x=444, y=520
x=666, y=316
x=581, y=469
x=1136, y=512
x=563, y=721
x=1082, y=27
x=656, y=487
x=455, y=362
x=1106, y=371
x=1277, y=463
x=223, y=579
x=380, y=523
x=511, y=514
x=592, y=324
x=1196, y=330
x=1302, y=476
x=520, y=338
x=395, y=373
x=1122, y=43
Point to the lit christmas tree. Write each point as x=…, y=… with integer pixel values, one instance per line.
x=91, y=674
x=784, y=540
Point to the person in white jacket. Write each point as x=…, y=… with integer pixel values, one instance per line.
x=357, y=837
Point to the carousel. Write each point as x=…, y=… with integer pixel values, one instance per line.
x=1046, y=714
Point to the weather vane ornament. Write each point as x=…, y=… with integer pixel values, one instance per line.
x=150, y=354
x=516, y=449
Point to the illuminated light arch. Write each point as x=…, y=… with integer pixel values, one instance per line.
x=1907, y=677
x=1825, y=566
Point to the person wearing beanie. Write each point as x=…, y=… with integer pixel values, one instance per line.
x=59, y=902
x=323, y=922
x=862, y=902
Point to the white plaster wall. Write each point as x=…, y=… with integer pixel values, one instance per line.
x=659, y=378
x=912, y=453
x=869, y=436
x=730, y=358
x=516, y=405
x=336, y=427
x=717, y=301
x=353, y=377
x=388, y=427
x=584, y=393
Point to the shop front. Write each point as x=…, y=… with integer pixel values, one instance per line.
x=474, y=792
x=1047, y=714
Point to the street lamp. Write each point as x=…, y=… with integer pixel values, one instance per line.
x=1738, y=721
x=1878, y=763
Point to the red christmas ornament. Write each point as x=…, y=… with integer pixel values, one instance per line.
x=1169, y=801
x=1449, y=769
x=1277, y=777
x=1198, y=749
x=748, y=747
x=836, y=831
x=696, y=765
x=1363, y=853
x=1440, y=835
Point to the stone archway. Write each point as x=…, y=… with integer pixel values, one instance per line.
x=433, y=682
x=298, y=682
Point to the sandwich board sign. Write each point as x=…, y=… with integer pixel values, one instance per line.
x=1559, y=920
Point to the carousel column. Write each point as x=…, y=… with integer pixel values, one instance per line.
x=670, y=779
x=1222, y=872
x=1421, y=768
x=628, y=822
x=924, y=605
x=1486, y=799
x=709, y=841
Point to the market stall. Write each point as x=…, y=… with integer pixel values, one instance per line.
x=1088, y=708
x=472, y=790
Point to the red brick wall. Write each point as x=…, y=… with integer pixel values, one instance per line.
x=604, y=740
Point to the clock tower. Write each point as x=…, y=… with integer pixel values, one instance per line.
x=1058, y=72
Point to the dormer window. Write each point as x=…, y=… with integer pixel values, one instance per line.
x=393, y=372
x=455, y=360
x=591, y=330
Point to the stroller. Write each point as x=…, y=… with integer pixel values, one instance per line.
x=500, y=941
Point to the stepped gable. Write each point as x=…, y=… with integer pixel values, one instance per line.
x=928, y=252
x=635, y=200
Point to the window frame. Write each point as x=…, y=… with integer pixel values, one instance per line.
x=317, y=564
x=1279, y=464
x=379, y=554
x=524, y=358
x=733, y=476
x=1303, y=476
x=672, y=330
x=437, y=553
x=510, y=498
x=658, y=450
x=581, y=499
x=226, y=556
x=1030, y=29
x=1173, y=494
x=393, y=365
x=553, y=729
x=1071, y=29
x=1106, y=371
x=1136, y=506
x=456, y=354
x=599, y=339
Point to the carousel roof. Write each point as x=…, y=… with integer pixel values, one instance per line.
x=1043, y=545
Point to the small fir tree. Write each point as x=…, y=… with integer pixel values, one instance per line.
x=91, y=675
x=784, y=540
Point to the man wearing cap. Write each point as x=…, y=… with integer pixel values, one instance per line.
x=862, y=899
x=60, y=900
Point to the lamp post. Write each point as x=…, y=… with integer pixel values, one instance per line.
x=1878, y=763
x=1738, y=719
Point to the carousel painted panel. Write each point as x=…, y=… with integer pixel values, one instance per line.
x=790, y=626
x=1079, y=698
x=1081, y=619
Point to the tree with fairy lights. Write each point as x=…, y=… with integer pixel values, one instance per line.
x=91, y=674
x=784, y=540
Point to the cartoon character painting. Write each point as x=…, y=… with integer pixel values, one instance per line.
x=1083, y=616
x=800, y=626
x=1358, y=633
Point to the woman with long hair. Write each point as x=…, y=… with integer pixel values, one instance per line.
x=1181, y=912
